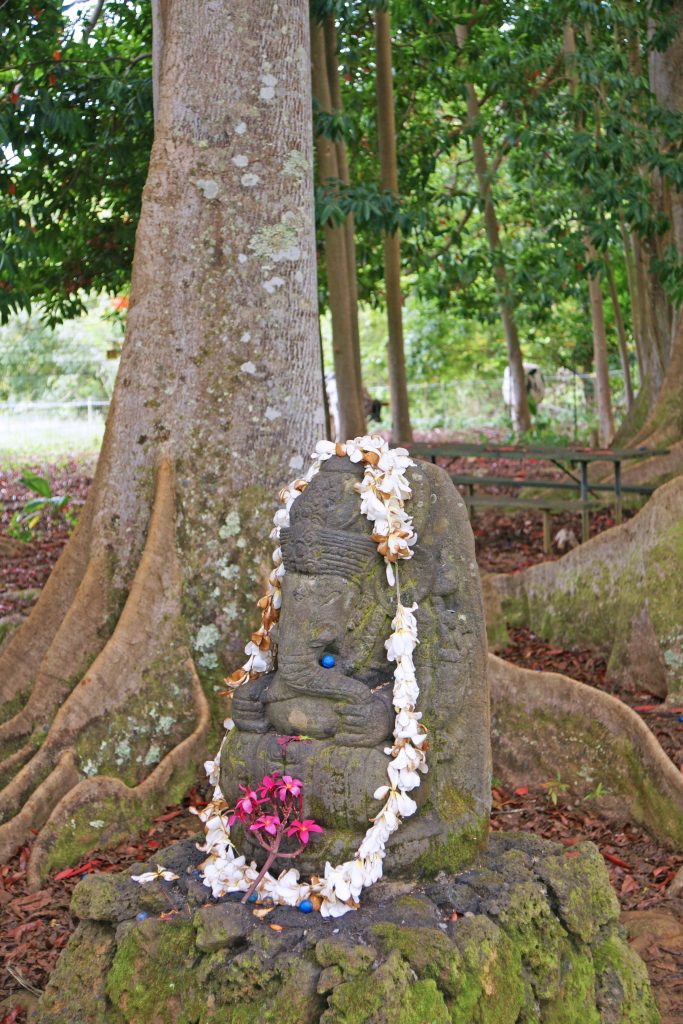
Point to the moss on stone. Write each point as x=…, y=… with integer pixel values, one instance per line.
x=457, y=850
x=624, y=995
x=429, y=952
x=537, y=936
x=75, y=992
x=580, y=885
x=152, y=976
x=387, y=995
x=491, y=989
x=350, y=958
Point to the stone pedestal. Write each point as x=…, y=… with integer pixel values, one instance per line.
x=527, y=935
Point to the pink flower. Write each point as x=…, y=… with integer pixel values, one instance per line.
x=269, y=784
x=290, y=786
x=302, y=829
x=250, y=801
x=270, y=823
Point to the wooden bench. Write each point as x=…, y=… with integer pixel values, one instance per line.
x=560, y=457
x=473, y=480
x=546, y=506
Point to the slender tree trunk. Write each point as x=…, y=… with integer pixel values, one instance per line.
x=521, y=417
x=217, y=400
x=602, y=389
x=634, y=298
x=342, y=308
x=332, y=61
x=402, y=431
x=621, y=332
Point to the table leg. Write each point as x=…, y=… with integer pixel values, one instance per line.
x=547, y=542
x=618, y=511
x=585, y=520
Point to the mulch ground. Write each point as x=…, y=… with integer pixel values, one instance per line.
x=37, y=926
x=21, y=576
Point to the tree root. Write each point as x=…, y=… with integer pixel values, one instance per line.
x=620, y=593
x=150, y=623
x=36, y=645
x=545, y=723
x=91, y=791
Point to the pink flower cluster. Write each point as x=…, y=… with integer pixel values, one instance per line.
x=271, y=811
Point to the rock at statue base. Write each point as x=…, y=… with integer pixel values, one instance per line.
x=528, y=935
x=336, y=602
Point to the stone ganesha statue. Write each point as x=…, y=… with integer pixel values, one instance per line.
x=329, y=725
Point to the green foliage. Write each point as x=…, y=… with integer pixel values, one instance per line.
x=23, y=524
x=64, y=363
x=570, y=156
x=75, y=136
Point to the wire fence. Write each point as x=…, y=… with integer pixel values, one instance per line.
x=468, y=408
x=475, y=406
x=51, y=428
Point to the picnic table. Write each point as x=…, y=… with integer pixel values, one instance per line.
x=566, y=459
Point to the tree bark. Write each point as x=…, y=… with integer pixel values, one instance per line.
x=332, y=62
x=402, y=432
x=621, y=332
x=521, y=417
x=217, y=401
x=633, y=291
x=602, y=389
x=337, y=260
x=656, y=418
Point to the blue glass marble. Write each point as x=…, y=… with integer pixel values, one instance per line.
x=328, y=661
x=142, y=916
x=252, y=898
x=305, y=906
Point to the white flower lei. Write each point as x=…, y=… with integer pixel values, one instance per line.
x=384, y=491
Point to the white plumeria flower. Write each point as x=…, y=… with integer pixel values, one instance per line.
x=150, y=876
x=324, y=450
x=212, y=769
x=285, y=890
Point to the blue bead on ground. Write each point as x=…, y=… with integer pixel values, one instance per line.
x=328, y=661
x=252, y=898
x=305, y=906
x=142, y=916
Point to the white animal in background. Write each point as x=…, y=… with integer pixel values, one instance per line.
x=535, y=386
x=333, y=406
x=565, y=539
x=371, y=406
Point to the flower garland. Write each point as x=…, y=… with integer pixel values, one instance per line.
x=383, y=490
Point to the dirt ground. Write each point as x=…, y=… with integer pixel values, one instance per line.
x=37, y=926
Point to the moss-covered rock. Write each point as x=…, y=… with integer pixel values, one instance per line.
x=75, y=992
x=542, y=946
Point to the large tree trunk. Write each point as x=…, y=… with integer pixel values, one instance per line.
x=521, y=418
x=655, y=419
x=402, y=432
x=218, y=397
x=337, y=259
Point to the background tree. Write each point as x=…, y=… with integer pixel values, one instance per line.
x=107, y=688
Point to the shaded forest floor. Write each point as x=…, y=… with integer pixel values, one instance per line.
x=37, y=926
